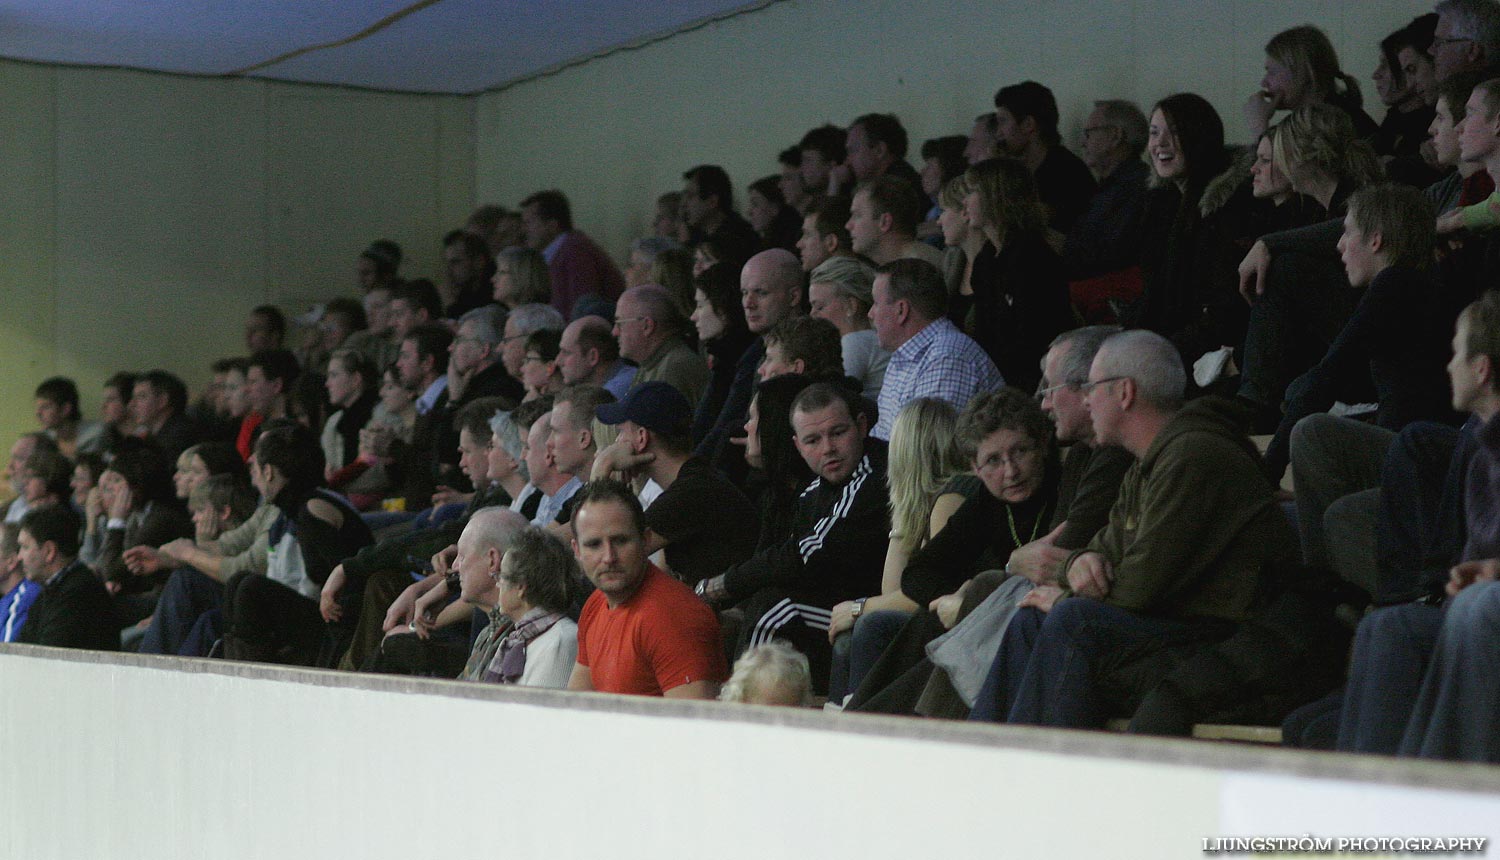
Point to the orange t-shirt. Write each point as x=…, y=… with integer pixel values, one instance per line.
x=664, y=636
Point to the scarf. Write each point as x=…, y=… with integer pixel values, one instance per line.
x=510, y=661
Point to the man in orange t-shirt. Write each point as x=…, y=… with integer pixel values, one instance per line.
x=642, y=632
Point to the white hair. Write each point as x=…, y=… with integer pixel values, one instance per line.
x=770, y=666
x=536, y=317
x=1151, y=361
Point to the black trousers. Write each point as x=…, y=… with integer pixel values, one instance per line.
x=269, y=623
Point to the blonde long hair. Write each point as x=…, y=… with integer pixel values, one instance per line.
x=924, y=456
x=1322, y=136
x=1314, y=64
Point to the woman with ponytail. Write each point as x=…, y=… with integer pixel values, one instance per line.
x=1302, y=68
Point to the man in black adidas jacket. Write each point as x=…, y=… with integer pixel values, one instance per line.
x=841, y=525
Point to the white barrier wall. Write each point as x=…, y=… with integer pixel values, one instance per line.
x=110, y=756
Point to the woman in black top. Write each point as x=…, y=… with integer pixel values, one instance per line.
x=274, y=617
x=723, y=336
x=351, y=385
x=1020, y=296
x=777, y=224
x=769, y=449
x=1010, y=442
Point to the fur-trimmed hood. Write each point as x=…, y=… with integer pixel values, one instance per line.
x=1222, y=188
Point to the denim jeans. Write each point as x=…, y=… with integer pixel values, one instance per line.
x=873, y=633
x=1391, y=651
x=1420, y=530
x=1048, y=664
x=1457, y=712
x=187, y=594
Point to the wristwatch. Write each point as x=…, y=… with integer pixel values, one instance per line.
x=859, y=606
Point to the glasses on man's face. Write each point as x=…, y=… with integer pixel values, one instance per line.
x=1089, y=131
x=1044, y=393
x=1095, y=383
x=1442, y=41
x=623, y=320
x=533, y=358
x=505, y=340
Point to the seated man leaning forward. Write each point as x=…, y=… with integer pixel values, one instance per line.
x=1179, y=563
x=642, y=631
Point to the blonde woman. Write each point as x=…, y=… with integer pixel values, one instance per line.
x=962, y=245
x=928, y=480
x=521, y=278
x=839, y=292
x=1318, y=150
x=1302, y=68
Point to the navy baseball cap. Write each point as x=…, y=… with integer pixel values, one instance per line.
x=657, y=406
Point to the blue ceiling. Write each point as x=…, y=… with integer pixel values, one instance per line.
x=447, y=46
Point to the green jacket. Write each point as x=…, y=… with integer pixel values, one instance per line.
x=1196, y=521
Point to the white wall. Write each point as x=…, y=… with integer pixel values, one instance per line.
x=617, y=131
x=122, y=759
x=145, y=214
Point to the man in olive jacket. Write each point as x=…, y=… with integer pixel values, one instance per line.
x=1179, y=563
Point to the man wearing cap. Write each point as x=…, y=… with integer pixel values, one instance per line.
x=704, y=522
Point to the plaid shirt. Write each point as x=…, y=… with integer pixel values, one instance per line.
x=938, y=361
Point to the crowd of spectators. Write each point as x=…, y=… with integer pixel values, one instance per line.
x=970, y=441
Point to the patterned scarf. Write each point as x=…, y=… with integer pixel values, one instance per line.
x=510, y=661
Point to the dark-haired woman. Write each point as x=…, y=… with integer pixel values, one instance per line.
x=777, y=224
x=275, y=617
x=723, y=336
x=1200, y=219
x=1406, y=83
x=142, y=509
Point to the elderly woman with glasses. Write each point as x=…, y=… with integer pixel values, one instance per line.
x=540, y=372
x=1009, y=442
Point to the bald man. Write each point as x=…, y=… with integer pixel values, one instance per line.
x=650, y=329
x=447, y=599
x=589, y=355
x=770, y=291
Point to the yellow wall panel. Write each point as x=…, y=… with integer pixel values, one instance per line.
x=145, y=214
x=27, y=213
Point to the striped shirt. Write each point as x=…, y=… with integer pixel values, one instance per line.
x=938, y=361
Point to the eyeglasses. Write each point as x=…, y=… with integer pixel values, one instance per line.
x=532, y=358
x=1095, y=129
x=1092, y=384
x=505, y=340
x=1044, y=393
x=1440, y=41
x=1017, y=456
x=623, y=320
